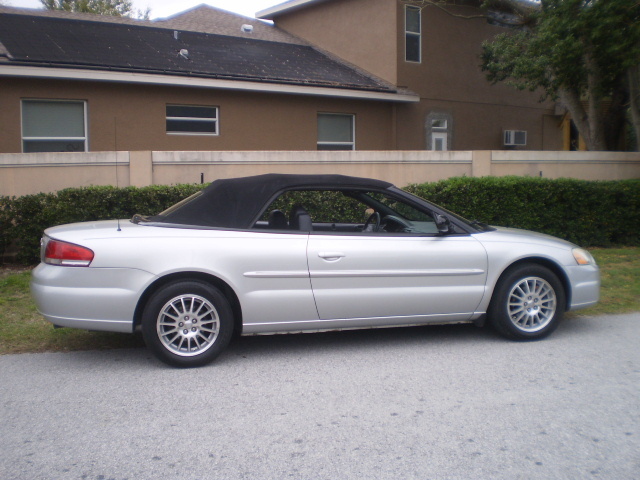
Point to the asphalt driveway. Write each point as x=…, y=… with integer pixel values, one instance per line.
x=424, y=403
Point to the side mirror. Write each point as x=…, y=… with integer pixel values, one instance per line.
x=443, y=224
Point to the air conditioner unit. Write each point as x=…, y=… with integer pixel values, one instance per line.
x=514, y=138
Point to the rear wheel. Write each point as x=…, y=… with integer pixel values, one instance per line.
x=187, y=323
x=528, y=303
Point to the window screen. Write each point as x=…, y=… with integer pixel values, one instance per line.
x=413, y=31
x=53, y=126
x=335, y=132
x=192, y=120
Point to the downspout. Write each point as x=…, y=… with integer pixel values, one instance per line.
x=394, y=126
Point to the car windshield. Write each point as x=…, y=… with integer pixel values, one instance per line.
x=474, y=224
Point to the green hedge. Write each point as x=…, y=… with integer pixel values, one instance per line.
x=601, y=213
x=588, y=213
x=23, y=219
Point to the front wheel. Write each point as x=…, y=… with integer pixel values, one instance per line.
x=528, y=303
x=187, y=323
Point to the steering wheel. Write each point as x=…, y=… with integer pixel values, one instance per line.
x=374, y=221
x=402, y=224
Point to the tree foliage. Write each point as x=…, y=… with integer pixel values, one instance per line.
x=116, y=8
x=505, y=12
x=581, y=52
x=586, y=53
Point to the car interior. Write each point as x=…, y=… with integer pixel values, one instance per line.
x=344, y=211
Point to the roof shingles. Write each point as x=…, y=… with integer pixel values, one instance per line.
x=206, y=19
x=46, y=41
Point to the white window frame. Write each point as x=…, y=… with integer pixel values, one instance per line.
x=351, y=145
x=435, y=137
x=83, y=139
x=443, y=131
x=215, y=121
x=408, y=33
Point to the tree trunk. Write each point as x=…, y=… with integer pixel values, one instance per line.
x=580, y=117
x=590, y=123
x=616, y=116
x=596, y=108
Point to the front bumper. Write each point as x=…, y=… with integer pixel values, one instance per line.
x=585, y=286
x=101, y=299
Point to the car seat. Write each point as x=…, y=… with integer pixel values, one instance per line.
x=299, y=219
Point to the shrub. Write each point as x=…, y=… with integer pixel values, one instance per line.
x=588, y=213
x=23, y=219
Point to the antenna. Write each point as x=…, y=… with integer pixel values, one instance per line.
x=115, y=152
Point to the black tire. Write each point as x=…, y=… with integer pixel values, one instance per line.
x=528, y=303
x=187, y=323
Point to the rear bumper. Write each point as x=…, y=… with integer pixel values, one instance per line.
x=101, y=299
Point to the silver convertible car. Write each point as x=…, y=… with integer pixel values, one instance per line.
x=303, y=253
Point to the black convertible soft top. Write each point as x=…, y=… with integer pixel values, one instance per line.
x=236, y=202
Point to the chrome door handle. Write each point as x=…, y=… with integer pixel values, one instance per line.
x=331, y=256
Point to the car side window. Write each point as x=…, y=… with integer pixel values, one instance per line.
x=324, y=207
x=352, y=211
x=397, y=216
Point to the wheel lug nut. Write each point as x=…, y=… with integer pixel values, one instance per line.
x=185, y=331
x=181, y=324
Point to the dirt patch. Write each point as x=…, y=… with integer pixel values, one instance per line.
x=10, y=269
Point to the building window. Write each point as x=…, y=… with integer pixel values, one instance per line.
x=412, y=33
x=439, y=141
x=439, y=131
x=54, y=126
x=336, y=132
x=439, y=135
x=192, y=120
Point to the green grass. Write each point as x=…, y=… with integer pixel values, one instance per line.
x=620, y=274
x=22, y=329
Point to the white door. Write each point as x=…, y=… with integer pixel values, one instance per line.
x=439, y=141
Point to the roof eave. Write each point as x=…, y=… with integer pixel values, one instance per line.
x=287, y=7
x=202, y=82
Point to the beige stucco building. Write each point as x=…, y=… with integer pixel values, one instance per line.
x=327, y=75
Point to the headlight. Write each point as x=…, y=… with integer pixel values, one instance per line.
x=583, y=257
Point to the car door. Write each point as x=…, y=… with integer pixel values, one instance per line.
x=271, y=277
x=397, y=278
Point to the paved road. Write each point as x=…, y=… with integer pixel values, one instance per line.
x=451, y=402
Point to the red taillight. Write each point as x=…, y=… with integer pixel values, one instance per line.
x=67, y=254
